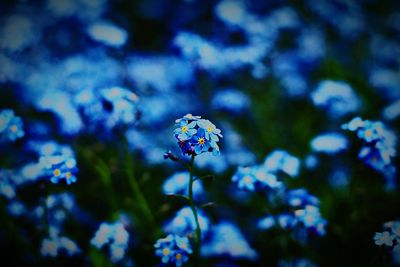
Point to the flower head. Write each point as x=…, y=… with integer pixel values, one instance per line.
x=10, y=126
x=384, y=238
x=196, y=136
x=60, y=167
x=379, y=148
x=173, y=250
x=116, y=236
x=255, y=178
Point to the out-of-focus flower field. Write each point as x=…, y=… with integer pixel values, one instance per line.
x=199, y=133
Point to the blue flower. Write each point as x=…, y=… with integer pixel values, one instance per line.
x=108, y=108
x=230, y=100
x=279, y=160
x=384, y=238
x=185, y=130
x=266, y=222
x=226, y=239
x=178, y=184
x=184, y=223
x=210, y=130
x=60, y=167
x=201, y=144
x=10, y=126
x=255, y=178
x=196, y=136
x=116, y=236
x=173, y=250
x=286, y=220
x=107, y=33
x=354, y=124
x=300, y=198
x=55, y=243
x=329, y=143
x=337, y=97
x=379, y=148
x=311, y=218
x=7, y=184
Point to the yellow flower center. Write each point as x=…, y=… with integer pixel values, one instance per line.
x=247, y=179
x=209, y=129
x=368, y=133
x=178, y=256
x=202, y=141
x=165, y=252
x=14, y=128
x=184, y=129
x=68, y=175
x=57, y=172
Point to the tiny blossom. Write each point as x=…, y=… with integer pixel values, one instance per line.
x=16, y=208
x=311, y=218
x=227, y=239
x=279, y=160
x=116, y=236
x=173, y=250
x=184, y=222
x=255, y=178
x=55, y=243
x=7, y=184
x=300, y=198
x=329, y=143
x=196, y=136
x=337, y=97
x=379, y=148
x=230, y=100
x=384, y=238
x=178, y=184
x=392, y=111
x=108, y=107
x=286, y=220
x=266, y=222
x=107, y=33
x=390, y=238
x=10, y=126
x=60, y=167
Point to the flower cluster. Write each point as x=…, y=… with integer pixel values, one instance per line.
x=304, y=214
x=115, y=235
x=184, y=222
x=226, y=239
x=390, y=238
x=60, y=167
x=196, y=136
x=379, y=148
x=173, y=250
x=10, y=126
x=55, y=243
x=282, y=161
x=255, y=178
x=109, y=107
x=337, y=97
x=178, y=184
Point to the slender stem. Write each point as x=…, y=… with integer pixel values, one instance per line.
x=197, y=238
x=138, y=194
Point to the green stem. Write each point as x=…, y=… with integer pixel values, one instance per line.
x=105, y=175
x=197, y=238
x=138, y=194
